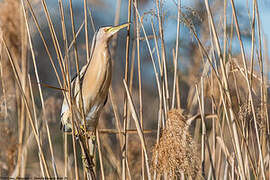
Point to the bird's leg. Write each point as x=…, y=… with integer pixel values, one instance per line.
x=87, y=159
x=79, y=132
x=88, y=166
x=91, y=136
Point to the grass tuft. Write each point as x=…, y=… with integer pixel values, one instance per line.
x=176, y=151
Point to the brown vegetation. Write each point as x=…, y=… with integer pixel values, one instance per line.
x=222, y=134
x=176, y=150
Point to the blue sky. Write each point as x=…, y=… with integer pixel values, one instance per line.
x=265, y=17
x=242, y=6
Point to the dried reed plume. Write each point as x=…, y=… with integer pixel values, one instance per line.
x=10, y=27
x=246, y=115
x=11, y=24
x=176, y=151
x=8, y=150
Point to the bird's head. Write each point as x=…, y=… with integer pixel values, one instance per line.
x=105, y=33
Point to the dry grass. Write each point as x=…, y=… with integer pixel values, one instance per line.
x=8, y=150
x=176, y=151
x=223, y=134
x=10, y=25
x=10, y=30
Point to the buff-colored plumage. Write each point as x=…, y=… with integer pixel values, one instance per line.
x=95, y=81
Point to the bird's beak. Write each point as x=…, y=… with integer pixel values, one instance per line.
x=115, y=29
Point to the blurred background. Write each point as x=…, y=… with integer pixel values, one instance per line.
x=191, y=67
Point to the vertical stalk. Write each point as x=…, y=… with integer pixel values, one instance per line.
x=225, y=81
x=81, y=100
x=139, y=129
x=43, y=160
x=81, y=104
x=164, y=63
x=22, y=121
x=249, y=89
x=100, y=156
x=45, y=44
x=139, y=78
x=124, y=148
x=40, y=93
x=54, y=38
x=201, y=107
x=176, y=53
x=68, y=96
x=86, y=31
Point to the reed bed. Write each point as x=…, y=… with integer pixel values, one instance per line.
x=202, y=119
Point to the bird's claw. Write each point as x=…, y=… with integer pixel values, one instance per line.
x=89, y=134
x=84, y=161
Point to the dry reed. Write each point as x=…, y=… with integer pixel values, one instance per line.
x=176, y=150
x=227, y=138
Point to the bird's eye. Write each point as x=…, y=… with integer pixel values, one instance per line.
x=106, y=29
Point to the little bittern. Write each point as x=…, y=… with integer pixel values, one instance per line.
x=95, y=79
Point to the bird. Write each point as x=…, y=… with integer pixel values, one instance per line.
x=95, y=79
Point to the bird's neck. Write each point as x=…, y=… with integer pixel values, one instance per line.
x=99, y=69
x=101, y=48
x=101, y=55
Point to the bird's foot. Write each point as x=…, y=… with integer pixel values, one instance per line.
x=77, y=134
x=85, y=162
x=91, y=135
x=81, y=131
x=88, y=134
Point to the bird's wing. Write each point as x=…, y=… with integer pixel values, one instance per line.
x=105, y=100
x=75, y=86
x=82, y=72
x=74, y=81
